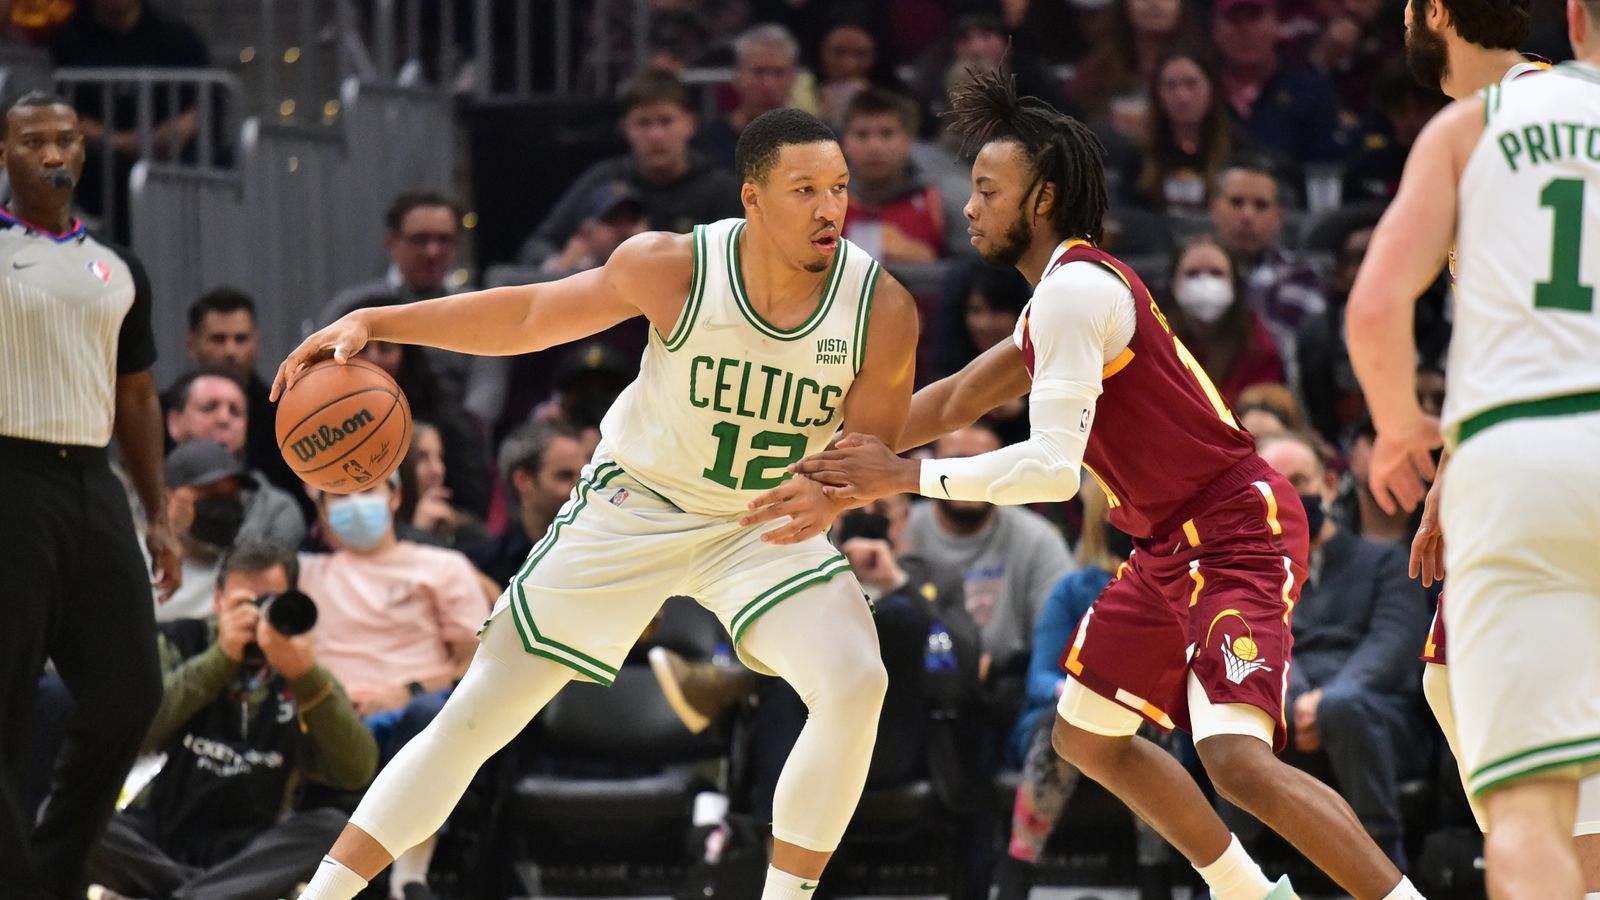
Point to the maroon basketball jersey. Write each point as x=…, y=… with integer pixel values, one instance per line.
x=1162, y=432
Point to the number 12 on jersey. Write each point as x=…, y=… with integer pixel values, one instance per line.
x=761, y=472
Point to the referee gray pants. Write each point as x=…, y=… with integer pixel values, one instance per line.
x=74, y=589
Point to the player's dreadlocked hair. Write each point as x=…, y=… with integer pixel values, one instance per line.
x=1062, y=149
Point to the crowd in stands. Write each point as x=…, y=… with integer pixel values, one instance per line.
x=1251, y=145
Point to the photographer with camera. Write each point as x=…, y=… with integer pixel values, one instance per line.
x=246, y=715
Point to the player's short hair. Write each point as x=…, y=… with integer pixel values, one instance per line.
x=1495, y=24
x=525, y=447
x=766, y=136
x=876, y=101
x=177, y=396
x=395, y=215
x=768, y=35
x=1062, y=150
x=253, y=557
x=222, y=299
x=650, y=87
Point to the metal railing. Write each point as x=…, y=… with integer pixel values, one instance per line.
x=298, y=218
x=159, y=97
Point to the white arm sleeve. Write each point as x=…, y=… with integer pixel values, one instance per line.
x=1080, y=318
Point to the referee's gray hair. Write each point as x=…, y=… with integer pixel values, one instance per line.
x=771, y=35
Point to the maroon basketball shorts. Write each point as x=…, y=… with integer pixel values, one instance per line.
x=1213, y=597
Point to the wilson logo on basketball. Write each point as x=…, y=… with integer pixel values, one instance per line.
x=325, y=437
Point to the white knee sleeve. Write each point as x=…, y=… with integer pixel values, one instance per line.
x=1085, y=709
x=823, y=642
x=1436, y=690
x=1588, y=806
x=502, y=690
x=1208, y=719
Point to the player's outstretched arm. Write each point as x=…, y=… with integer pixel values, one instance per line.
x=649, y=273
x=1408, y=249
x=995, y=378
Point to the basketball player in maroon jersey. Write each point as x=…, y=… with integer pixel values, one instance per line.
x=1194, y=631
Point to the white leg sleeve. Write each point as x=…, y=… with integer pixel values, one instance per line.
x=1588, y=806
x=1209, y=719
x=1085, y=709
x=1436, y=690
x=823, y=642
x=503, y=689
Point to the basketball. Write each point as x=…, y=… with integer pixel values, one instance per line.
x=1245, y=648
x=343, y=427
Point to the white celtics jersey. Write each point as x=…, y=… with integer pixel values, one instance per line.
x=1527, y=330
x=727, y=401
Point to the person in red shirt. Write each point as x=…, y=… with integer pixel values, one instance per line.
x=1193, y=632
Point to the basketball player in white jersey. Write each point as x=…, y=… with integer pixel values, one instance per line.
x=1512, y=176
x=1463, y=48
x=767, y=334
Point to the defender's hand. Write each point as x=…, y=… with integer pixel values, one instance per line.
x=1427, y=548
x=861, y=467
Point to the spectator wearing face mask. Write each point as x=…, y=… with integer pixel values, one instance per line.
x=397, y=625
x=209, y=404
x=205, y=503
x=1225, y=335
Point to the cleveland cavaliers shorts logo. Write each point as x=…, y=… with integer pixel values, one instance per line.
x=1239, y=654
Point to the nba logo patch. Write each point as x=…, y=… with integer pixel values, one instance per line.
x=101, y=271
x=619, y=497
x=1083, y=421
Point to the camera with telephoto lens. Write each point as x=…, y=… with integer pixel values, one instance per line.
x=290, y=613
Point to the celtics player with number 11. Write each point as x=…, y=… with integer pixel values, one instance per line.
x=1512, y=176
x=767, y=334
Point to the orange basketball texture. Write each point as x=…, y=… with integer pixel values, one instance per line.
x=345, y=427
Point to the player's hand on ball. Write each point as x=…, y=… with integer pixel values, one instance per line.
x=1402, y=460
x=809, y=508
x=1427, y=548
x=342, y=341
x=861, y=467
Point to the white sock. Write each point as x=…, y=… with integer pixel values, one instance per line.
x=1234, y=875
x=1594, y=895
x=411, y=867
x=1405, y=890
x=333, y=882
x=783, y=886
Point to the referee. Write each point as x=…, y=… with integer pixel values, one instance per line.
x=75, y=356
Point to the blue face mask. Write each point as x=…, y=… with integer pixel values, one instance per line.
x=359, y=521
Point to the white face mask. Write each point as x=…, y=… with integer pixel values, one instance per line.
x=1205, y=298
